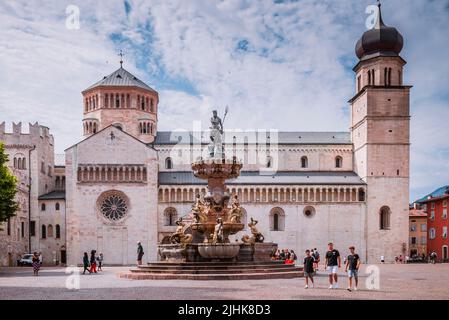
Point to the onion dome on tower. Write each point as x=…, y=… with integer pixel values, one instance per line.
x=379, y=41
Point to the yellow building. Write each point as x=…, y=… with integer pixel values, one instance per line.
x=418, y=232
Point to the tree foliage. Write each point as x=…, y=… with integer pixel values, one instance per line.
x=8, y=188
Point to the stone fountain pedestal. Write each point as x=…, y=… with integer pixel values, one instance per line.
x=177, y=253
x=205, y=251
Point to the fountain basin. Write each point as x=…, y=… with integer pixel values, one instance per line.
x=172, y=252
x=216, y=169
x=219, y=250
x=208, y=228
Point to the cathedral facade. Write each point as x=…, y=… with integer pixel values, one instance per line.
x=126, y=182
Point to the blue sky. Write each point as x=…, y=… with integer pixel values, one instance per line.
x=277, y=64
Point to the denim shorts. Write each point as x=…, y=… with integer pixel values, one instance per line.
x=353, y=273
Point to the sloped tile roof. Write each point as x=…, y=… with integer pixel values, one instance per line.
x=121, y=78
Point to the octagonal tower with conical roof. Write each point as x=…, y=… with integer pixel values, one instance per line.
x=123, y=100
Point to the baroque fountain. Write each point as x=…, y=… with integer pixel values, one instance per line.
x=201, y=248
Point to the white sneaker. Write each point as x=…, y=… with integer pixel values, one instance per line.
x=331, y=286
x=306, y=287
x=355, y=288
x=335, y=285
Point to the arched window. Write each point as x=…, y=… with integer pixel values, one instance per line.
x=50, y=231
x=171, y=215
x=15, y=163
x=275, y=222
x=24, y=164
x=117, y=101
x=338, y=162
x=277, y=219
x=389, y=76
x=118, y=126
x=304, y=162
x=168, y=163
x=269, y=162
x=384, y=223
x=43, y=207
x=151, y=105
x=432, y=233
x=44, y=232
x=57, y=206
x=58, y=231
x=361, y=195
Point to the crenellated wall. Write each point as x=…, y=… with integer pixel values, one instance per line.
x=31, y=160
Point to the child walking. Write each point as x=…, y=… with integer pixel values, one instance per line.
x=309, y=269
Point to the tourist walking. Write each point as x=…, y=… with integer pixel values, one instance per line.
x=140, y=253
x=352, y=268
x=36, y=263
x=100, y=261
x=41, y=259
x=332, y=263
x=93, y=262
x=309, y=269
x=86, y=263
x=433, y=257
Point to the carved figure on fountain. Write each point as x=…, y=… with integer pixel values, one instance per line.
x=179, y=236
x=235, y=214
x=256, y=236
x=200, y=210
x=218, y=236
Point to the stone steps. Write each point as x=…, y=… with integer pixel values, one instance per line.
x=216, y=264
x=228, y=267
x=214, y=271
x=233, y=276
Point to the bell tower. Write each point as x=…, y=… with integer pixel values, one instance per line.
x=121, y=99
x=380, y=130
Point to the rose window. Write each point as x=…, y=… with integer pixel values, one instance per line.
x=114, y=207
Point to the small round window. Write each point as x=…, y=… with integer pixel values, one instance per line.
x=309, y=212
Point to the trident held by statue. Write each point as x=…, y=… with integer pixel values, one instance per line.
x=225, y=113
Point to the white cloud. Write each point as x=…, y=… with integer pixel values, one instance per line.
x=293, y=76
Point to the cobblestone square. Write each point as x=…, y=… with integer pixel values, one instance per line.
x=414, y=281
